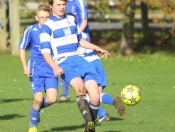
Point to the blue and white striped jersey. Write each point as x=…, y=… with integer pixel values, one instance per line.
x=60, y=37
x=30, y=40
x=80, y=10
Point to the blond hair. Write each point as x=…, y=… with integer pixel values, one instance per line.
x=43, y=8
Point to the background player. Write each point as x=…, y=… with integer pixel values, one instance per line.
x=39, y=72
x=80, y=10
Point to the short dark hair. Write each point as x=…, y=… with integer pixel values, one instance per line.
x=51, y=1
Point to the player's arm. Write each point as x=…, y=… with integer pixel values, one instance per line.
x=22, y=54
x=45, y=38
x=24, y=42
x=83, y=24
x=58, y=71
x=84, y=14
x=88, y=45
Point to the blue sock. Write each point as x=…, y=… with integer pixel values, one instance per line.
x=65, y=87
x=101, y=112
x=106, y=98
x=34, y=116
x=44, y=104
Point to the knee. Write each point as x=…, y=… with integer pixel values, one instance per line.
x=80, y=89
x=95, y=100
x=51, y=100
x=38, y=101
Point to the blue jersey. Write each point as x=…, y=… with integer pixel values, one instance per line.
x=31, y=40
x=80, y=10
x=60, y=37
x=42, y=74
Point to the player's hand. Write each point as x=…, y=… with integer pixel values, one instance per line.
x=105, y=56
x=104, y=52
x=27, y=72
x=58, y=71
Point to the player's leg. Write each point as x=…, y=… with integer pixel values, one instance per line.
x=113, y=100
x=83, y=105
x=35, y=110
x=105, y=97
x=103, y=115
x=93, y=92
x=101, y=112
x=37, y=87
x=65, y=97
x=51, y=88
x=75, y=74
x=65, y=88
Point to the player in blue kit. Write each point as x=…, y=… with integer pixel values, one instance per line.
x=60, y=37
x=39, y=72
x=79, y=8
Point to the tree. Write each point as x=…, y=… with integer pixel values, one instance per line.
x=14, y=26
x=145, y=22
x=3, y=22
x=128, y=28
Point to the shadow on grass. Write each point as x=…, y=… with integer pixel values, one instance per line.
x=74, y=128
x=116, y=119
x=112, y=131
x=11, y=116
x=65, y=128
x=11, y=100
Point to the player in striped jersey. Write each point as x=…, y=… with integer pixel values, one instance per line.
x=60, y=37
x=79, y=8
x=39, y=72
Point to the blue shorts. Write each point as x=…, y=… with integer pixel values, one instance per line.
x=77, y=66
x=101, y=72
x=42, y=77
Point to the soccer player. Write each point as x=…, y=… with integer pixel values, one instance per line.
x=39, y=72
x=60, y=36
x=80, y=9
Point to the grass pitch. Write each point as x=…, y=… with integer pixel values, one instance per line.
x=154, y=75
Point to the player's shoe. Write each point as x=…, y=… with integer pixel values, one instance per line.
x=105, y=118
x=63, y=98
x=90, y=127
x=33, y=129
x=119, y=106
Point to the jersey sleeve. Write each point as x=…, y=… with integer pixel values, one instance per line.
x=79, y=33
x=83, y=9
x=25, y=40
x=45, y=38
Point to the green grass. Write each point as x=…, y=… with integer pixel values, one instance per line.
x=153, y=74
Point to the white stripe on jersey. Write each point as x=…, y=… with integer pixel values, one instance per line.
x=92, y=57
x=45, y=51
x=44, y=37
x=65, y=40
x=24, y=36
x=83, y=9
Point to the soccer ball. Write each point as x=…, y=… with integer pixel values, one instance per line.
x=130, y=95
